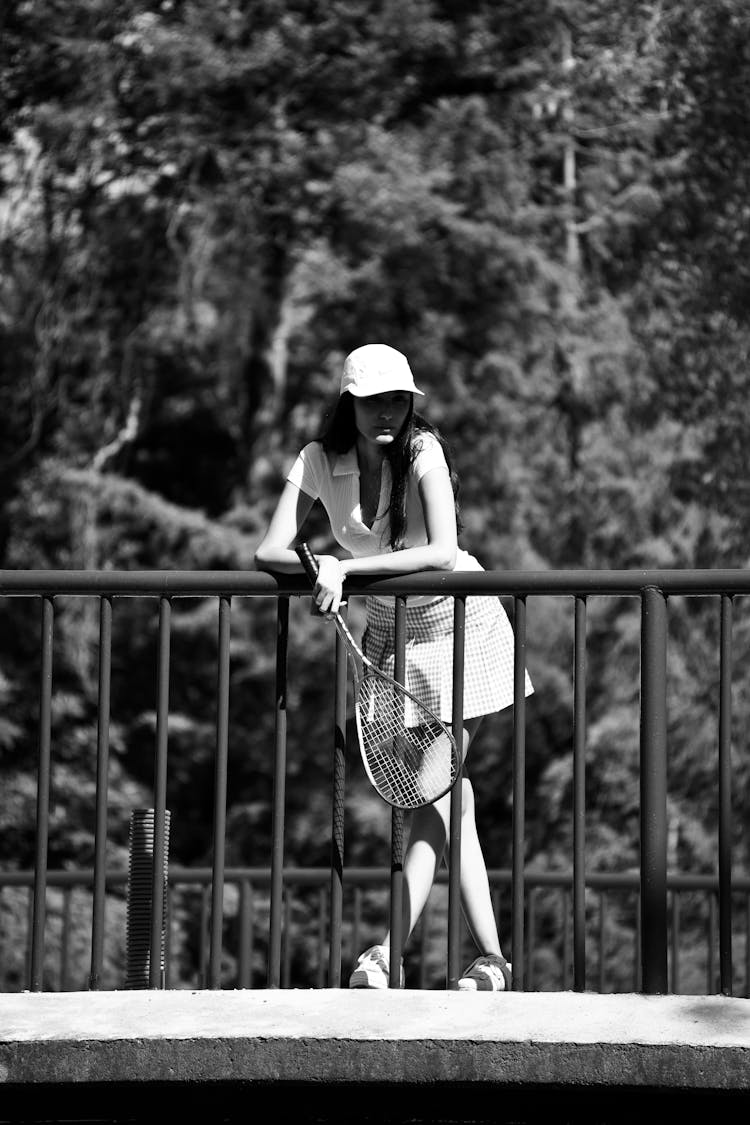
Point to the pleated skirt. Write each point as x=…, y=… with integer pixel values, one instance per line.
x=489, y=645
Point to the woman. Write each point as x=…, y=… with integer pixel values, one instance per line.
x=385, y=478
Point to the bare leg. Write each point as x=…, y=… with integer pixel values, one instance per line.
x=427, y=841
x=476, y=900
x=428, y=846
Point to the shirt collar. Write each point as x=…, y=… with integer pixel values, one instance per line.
x=346, y=463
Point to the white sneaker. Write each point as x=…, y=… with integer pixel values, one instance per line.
x=489, y=973
x=373, y=968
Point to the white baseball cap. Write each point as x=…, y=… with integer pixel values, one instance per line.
x=374, y=369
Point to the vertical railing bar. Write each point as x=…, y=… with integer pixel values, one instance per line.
x=531, y=940
x=322, y=930
x=424, y=937
x=65, y=914
x=245, y=937
x=29, y=929
x=398, y=936
x=519, y=789
x=579, y=797
x=249, y=934
x=338, y=811
x=39, y=899
x=653, y=761
x=102, y=782
x=288, y=931
x=675, y=943
x=602, y=940
x=638, y=970
x=279, y=795
x=725, y=797
x=454, y=855
x=171, y=892
x=160, y=794
x=220, y=791
x=356, y=917
x=566, y=908
x=711, y=943
x=204, y=952
x=4, y=959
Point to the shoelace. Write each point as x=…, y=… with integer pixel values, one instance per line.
x=377, y=957
x=495, y=972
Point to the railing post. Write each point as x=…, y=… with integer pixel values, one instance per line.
x=397, y=819
x=653, y=761
x=158, y=889
x=246, y=934
x=725, y=798
x=579, y=798
x=279, y=795
x=454, y=851
x=220, y=793
x=338, y=810
x=102, y=773
x=42, y=799
x=518, y=862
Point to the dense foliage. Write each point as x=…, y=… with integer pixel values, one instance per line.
x=205, y=206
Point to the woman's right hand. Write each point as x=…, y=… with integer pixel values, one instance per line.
x=328, y=590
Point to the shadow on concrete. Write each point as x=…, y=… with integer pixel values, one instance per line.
x=725, y=1019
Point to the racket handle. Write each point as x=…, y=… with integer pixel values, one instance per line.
x=307, y=558
x=309, y=562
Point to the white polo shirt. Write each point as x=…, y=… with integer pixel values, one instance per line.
x=334, y=480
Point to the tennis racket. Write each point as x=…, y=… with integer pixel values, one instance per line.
x=409, y=755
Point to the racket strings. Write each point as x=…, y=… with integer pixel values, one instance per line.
x=410, y=755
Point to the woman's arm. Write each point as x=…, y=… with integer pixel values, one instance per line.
x=275, y=553
x=274, y=550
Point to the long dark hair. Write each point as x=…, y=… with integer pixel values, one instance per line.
x=340, y=434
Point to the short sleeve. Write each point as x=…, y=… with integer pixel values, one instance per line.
x=305, y=472
x=429, y=456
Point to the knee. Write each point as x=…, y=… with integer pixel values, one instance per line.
x=431, y=823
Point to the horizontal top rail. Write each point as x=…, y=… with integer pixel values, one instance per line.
x=252, y=583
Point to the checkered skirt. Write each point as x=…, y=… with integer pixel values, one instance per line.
x=488, y=653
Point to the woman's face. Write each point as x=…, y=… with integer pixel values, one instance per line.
x=379, y=418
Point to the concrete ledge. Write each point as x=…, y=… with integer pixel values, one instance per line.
x=377, y=1058
x=562, y=1040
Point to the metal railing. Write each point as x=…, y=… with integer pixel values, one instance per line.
x=652, y=882
x=245, y=951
